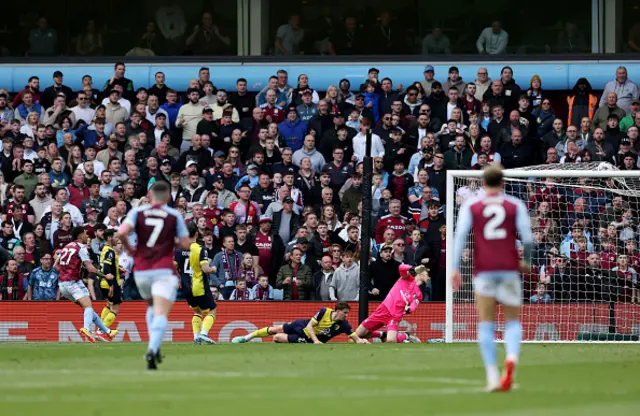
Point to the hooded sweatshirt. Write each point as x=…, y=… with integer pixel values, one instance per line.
x=345, y=285
x=317, y=160
x=580, y=102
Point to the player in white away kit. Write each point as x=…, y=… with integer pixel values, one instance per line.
x=495, y=218
x=158, y=227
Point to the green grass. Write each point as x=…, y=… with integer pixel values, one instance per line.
x=332, y=379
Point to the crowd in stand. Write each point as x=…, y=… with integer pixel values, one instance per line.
x=273, y=180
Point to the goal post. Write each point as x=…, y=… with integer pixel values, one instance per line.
x=582, y=287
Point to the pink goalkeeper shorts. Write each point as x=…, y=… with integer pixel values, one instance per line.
x=380, y=318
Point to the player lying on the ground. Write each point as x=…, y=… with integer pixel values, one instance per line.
x=404, y=298
x=324, y=325
x=495, y=218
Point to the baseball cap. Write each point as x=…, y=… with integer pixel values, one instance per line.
x=429, y=68
x=264, y=218
x=386, y=246
x=396, y=130
x=118, y=188
x=307, y=92
x=91, y=211
x=453, y=69
x=207, y=109
x=252, y=167
x=291, y=108
x=636, y=102
x=219, y=153
x=57, y=74
x=326, y=169
x=114, y=91
x=218, y=177
x=287, y=200
x=625, y=140
x=165, y=162
x=191, y=163
x=302, y=240
x=338, y=114
x=374, y=69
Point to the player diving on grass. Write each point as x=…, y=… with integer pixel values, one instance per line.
x=195, y=288
x=69, y=263
x=159, y=229
x=495, y=218
x=111, y=288
x=403, y=298
x=326, y=324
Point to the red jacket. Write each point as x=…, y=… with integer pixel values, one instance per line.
x=77, y=195
x=18, y=98
x=396, y=223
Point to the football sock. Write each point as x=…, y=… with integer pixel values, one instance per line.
x=488, y=350
x=196, y=324
x=88, y=317
x=99, y=323
x=378, y=334
x=158, y=326
x=207, y=323
x=401, y=337
x=109, y=319
x=104, y=313
x=260, y=333
x=513, y=339
x=149, y=320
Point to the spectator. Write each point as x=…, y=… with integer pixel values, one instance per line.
x=601, y=116
x=541, y=296
x=241, y=292
x=207, y=39
x=43, y=40
x=582, y=103
x=626, y=91
x=263, y=290
x=349, y=40
x=535, y=91
x=517, y=153
x=322, y=279
x=295, y=278
x=429, y=79
x=359, y=141
x=436, y=43
x=544, y=118
x=346, y=280
x=384, y=273
x=493, y=40
x=601, y=150
x=189, y=115
x=483, y=83
x=459, y=156
x=630, y=119
x=227, y=265
x=289, y=37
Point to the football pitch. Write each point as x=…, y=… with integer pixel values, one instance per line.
x=332, y=379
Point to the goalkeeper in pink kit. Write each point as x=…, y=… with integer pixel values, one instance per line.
x=404, y=298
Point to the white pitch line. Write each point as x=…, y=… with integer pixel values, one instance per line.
x=369, y=393
x=229, y=374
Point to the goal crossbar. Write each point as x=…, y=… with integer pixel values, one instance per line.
x=518, y=174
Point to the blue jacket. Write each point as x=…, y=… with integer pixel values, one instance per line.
x=372, y=97
x=544, y=120
x=293, y=134
x=88, y=137
x=172, y=110
x=61, y=180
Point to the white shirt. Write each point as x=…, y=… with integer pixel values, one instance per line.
x=360, y=144
x=122, y=101
x=450, y=108
x=85, y=114
x=76, y=215
x=152, y=117
x=31, y=155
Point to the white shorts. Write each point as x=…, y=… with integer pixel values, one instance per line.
x=73, y=290
x=161, y=284
x=504, y=287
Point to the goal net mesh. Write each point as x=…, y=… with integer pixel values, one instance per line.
x=584, y=281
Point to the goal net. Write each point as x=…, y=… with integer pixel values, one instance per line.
x=584, y=283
